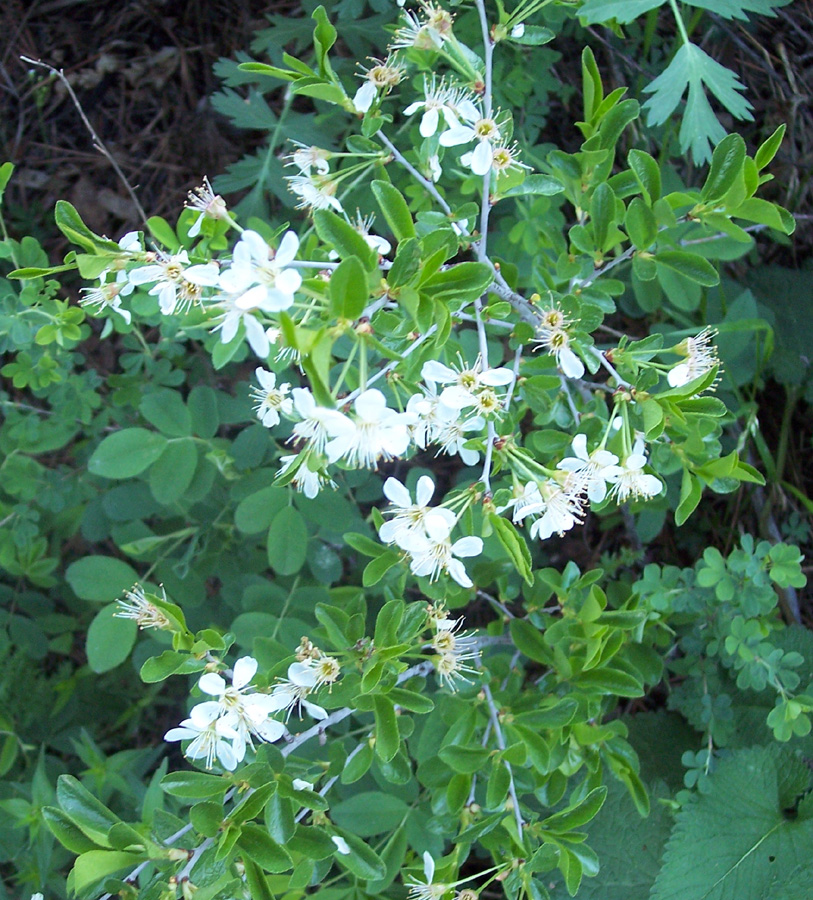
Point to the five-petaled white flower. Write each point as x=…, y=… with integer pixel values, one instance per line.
x=211, y=737
x=441, y=99
x=258, y=278
x=306, y=480
x=466, y=383
x=480, y=128
x=700, y=357
x=433, y=552
x=293, y=691
x=590, y=471
x=409, y=516
x=270, y=399
x=375, y=432
x=631, y=480
x=318, y=423
x=563, y=507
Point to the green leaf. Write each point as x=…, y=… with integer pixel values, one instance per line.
x=100, y=578
x=93, y=818
x=166, y=410
x=163, y=232
x=173, y=471
x=64, y=830
x=602, y=213
x=609, y=680
x=343, y=238
x=623, y=11
x=70, y=223
x=193, y=785
x=369, y=813
x=693, y=68
x=689, y=265
x=361, y=861
x=387, y=736
x=96, y=865
x=256, y=512
x=726, y=167
x=461, y=283
x=536, y=185
x=514, y=545
x=287, y=542
x=126, y=453
x=756, y=843
x=258, y=68
x=533, y=36
x=464, y=759
x=647, y=173
x=258, y=845
x=170, y=662
x=575, y=816
x=395, y=210
x=109, y=639
x=769, y=148
x=255, y=880
x=348, y=289
x=530, y=642
x=690, y=493
x=640, y=224
x=376, y=569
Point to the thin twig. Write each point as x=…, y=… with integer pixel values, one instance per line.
x=97, y=141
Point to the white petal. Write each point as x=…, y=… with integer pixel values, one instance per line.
x=145, y=274
x=424, y=490
x=482, y=158
x=256, y=244
x=428, y=867
x=341, y=844
x=288, y=281
x=316, y=711
x=438, y=524
x=570, y=364
x=207, y=275
x=302, y=674
x=429, y=122
x=252, y=298
x=580, y=446
x=256, y=337
x=462, y=134
x=370, y=405
x=467, y=546
x=288, y=248
x=212, y=683
x=396, y=493
x=364, y=97
x=458, y=572
x=496, y=377
x=244, y=670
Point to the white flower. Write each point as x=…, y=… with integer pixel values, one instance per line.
x=144, y=612
x=454, y=651
x=293, y=691
x=174, y=280
x=562, y=510
x=409, y=516
x=433, y=551
x=107, y=296
x=440, y=99
x=526, y=501
x=316, y=191
x=230, y=321
x=556, y=341
x=258, y=277
x=466, y=382
x=306, y=157
x=341, y=844
x=207, y=204
x=374, y=433
x=383, y=76
x=701, y=357
x=451, y=433
x=479, y=128
x=427, y=890
x=415, y=33
x=246, y=712
x=592, y=471
x=210, y=737
x=306, y=480
x=631, y=480
x=318, y=422
x=271, y=400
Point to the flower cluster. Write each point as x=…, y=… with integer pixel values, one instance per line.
x=224, y=727
x=454, y=649
x=424, y=533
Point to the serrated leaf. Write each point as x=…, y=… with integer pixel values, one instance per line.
x=623, y=11
x=756, y=844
